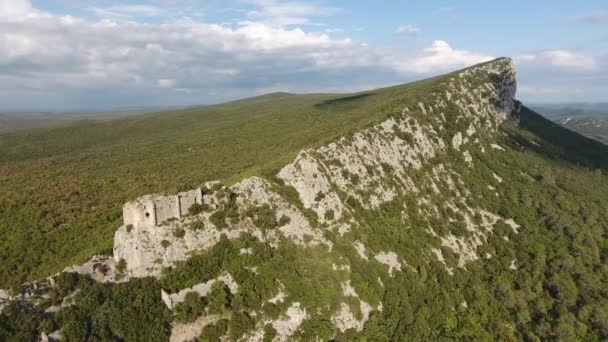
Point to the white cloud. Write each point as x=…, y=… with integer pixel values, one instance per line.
x=128, y=11
x=87, y=60
x=594, y=17
x=166, y=83
x=408, y=30
x=560, y=58
x=440, y=56
x=14, y=9
x=286, y=13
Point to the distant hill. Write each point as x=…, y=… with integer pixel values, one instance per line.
x=587, y=119
x=593, y=127
x=559, y=110
x=22, y=120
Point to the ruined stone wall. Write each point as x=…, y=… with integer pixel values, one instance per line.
x=153, y=210
x=167, y=207
x=140, y=213
x=188, y=198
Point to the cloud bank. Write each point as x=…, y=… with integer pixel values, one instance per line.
x=117, y=58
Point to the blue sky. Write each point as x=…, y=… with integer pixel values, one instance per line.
x=86, y=54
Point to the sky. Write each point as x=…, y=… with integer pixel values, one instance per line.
x=62, y=55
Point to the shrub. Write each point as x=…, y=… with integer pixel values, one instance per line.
x=121, y=266
x=165, y=243
x=196, y=225
x=269, y=333
x=191, y=308
x=129, y=228
x=218, y=219
x=212, y=333
x=263, y=216
x=219, y=298
x=179, y=233
x=284, y=220
x=319, y=196
x=195, y=209
x=329, y=215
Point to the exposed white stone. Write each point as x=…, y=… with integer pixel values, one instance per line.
x=390, y=259
x=289, y=323
x=191, y=331
x=498, y=179
x=246, y=251
x=439, y=254
x=99, y=267
x=348, y=290
x=497, y=147
x=421, y=105
x=468, y=158
x=280, y=296
x=513, y=225
x=5, y=298
x=360, y=248
x=457, y=141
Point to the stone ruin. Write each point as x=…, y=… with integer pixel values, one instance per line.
x=153, y=210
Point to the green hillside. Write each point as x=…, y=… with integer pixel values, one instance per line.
x=62, y=189
x=501, y=238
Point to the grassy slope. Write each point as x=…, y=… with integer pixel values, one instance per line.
x=61, y=189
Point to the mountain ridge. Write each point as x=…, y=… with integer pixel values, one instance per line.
x=358, y=237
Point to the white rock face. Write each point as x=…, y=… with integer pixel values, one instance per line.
x=344, y=318
x=289, y=323
x=390, y=259
x=360, y=248
x=142, y=247
x=191, y=331
x=5, y=298
x=498, y=179
x=513, y=225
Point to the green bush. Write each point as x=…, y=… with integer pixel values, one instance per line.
x=320, y=195
x=219, y=298
x=195, y=209
x=284, y=220
x=263, y=216
x=197, y=225
x=214, y=332
x=121, y=266
x=218, y=219
x=190, y=309
x=165, y=243
x=179, y=233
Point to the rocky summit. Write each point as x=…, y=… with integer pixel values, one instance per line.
x=458, y=214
